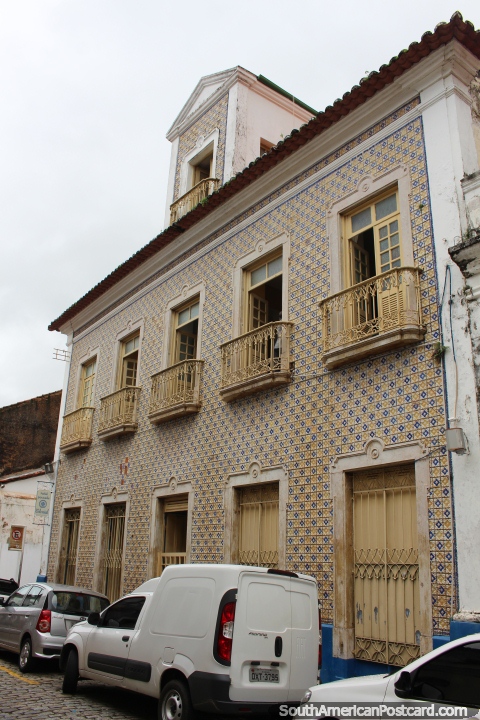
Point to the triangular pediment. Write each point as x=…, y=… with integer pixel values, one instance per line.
x=207, y=91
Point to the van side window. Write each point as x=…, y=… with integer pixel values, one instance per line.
x=123, y=614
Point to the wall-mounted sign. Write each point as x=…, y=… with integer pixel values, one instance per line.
x=42, y=503
x=16, y=538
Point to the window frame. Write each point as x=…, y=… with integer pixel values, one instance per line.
x=63, y=536
x=176, y=329
x=349, y=235
x=205, y=146
x=174, y=306
x=160, y=494
x=83, y=379
x=263, y=253
x=255, y=475
x=369, y=189
x=126, y=334
x=92, y=355
x=113, y=498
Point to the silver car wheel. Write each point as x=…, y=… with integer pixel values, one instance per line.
x=25, y=660
x=173, y=706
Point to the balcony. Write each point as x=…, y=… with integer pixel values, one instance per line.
x=192, y=198
x=375, y=316
x=118, y=413
x=171, y=558
x=176, y=391
x=256, y=361
x=77, y=430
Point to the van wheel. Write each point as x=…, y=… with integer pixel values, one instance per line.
x=70, y=679
x=26, y=661
x=175, y=703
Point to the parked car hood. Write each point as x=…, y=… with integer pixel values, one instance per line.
x=368, y=688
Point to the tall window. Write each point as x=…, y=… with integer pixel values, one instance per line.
x=87, y=383
x=129, y=361
x=203, y=169
x=264, y=293
x=186, y=332
x=173, y=532
x=69, y=548
x=112, y=560
x=201, y=166
x=258, y=525
x=373, y=238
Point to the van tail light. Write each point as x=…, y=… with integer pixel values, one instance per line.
x=319, y=638
x=44, y=621
x=225, y=634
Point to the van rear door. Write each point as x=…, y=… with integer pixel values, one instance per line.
x=274, y=625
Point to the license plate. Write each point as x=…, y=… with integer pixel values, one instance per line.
x=264, y=675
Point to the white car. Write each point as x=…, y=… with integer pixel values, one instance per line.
x=449, y=675
x=225, y=639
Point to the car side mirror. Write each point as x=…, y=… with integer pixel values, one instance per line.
x=2, y=600
x=403, y=686
x=93, y=618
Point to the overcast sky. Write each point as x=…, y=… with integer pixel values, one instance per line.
x=90, y=88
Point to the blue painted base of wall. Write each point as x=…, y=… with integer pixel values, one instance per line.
x=334, y=668
x=337, y=668
x=459, y=629
x=439, y=640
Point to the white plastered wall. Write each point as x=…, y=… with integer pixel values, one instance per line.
x=17, y=507
x=450, y=152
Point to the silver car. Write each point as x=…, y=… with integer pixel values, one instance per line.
x=35, y=619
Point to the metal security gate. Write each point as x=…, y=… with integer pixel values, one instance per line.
x=68, y=551
x=386, y=585
x=258, y=525
x=113, y=554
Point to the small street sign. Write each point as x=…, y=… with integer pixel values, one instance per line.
x=16, y=538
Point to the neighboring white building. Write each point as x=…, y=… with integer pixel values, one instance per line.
x=18, y=494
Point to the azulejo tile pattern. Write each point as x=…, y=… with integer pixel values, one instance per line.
x=397, y=397
x=213, y=119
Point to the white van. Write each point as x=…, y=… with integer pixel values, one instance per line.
x=214, y=638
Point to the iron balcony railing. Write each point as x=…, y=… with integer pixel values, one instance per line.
x=176, y=390
x=77, y=429
x=387, y=302
x=261, y=352
x=192, y=198
x=118, y=412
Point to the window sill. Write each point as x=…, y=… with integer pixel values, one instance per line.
x=256, y=384
x=371, y=346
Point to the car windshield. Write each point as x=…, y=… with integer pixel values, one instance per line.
x=77, y=603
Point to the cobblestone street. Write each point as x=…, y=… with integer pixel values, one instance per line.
x=39, y=695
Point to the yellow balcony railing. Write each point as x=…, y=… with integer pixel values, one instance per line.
x=172, y=558
x=118, y=412
x=192, y=198
x=255, y=361
x=176, y=391
x=77, y=430
x=376, y=315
